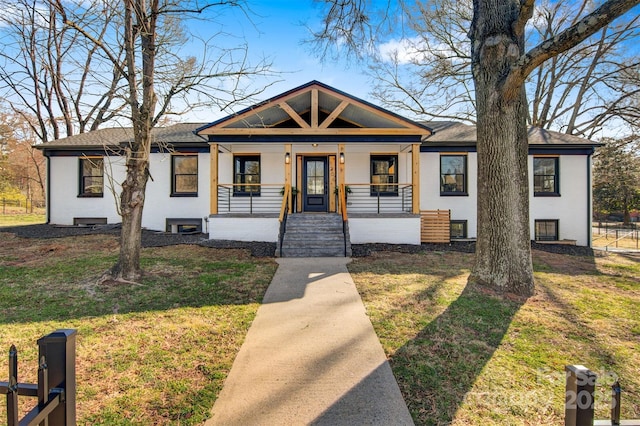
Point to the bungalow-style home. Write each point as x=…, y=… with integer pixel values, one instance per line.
x=312, y=162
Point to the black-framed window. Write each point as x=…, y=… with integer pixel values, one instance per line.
x=458, y=229
x=546, y=230
x=184, y=175
x=91, y=177
x=453, y=174
x=546, y=176
x=246, y=175
x=384, y=175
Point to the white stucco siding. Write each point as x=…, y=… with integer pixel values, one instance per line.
x=223, y=227
x=271, y=163
x=63, y=200
x=160, y=205
x=401, y=230
x=462, y=207
x=571, y=208
x=358, y=162
x=65, y=205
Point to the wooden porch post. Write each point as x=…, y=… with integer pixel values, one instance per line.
x=287, y=173
x=341, y=173
x=213, y=154
x=415, y=178
x=341, y=164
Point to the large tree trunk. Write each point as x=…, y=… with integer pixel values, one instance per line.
x=134, y=187
x=131, y=205
x=503, y=250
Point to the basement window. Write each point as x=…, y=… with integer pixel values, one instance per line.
x=546, y=230
x=184, y=225
x=458, y=229
x=89, y=221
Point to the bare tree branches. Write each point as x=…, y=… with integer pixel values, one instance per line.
x=564, y=41
x=427, y=71
x=49, y=73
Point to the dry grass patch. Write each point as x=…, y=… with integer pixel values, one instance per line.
x=462, y=356
x=155, y=352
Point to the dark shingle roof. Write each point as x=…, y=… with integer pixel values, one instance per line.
x=460, y=133
x=177, y=133
x=445, y=132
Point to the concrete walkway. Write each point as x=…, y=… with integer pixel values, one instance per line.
x=311, y=356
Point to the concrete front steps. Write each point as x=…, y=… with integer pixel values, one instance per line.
x=314, y=235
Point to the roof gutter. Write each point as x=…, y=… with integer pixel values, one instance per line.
x=48, y=194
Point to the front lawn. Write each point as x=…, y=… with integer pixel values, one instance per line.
x=465, y=357
x=154, y=352
x=158, y=351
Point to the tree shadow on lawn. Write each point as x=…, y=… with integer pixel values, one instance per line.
x=445, y=332
x=438, y=367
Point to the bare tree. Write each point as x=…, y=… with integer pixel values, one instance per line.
x=500, y=66
x=428, y=72
x=157, y=78
x=22, y=167
x=616, y=179
x=50, y=75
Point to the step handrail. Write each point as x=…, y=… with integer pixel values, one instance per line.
x=282, y=218
x=342, y=200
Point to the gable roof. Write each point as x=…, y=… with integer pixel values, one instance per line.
x=314, y=109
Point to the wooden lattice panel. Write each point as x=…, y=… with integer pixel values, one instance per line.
x=435, y=226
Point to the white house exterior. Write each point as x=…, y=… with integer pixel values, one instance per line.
x=315, y=149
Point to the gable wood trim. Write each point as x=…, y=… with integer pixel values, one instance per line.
x=315, y=108
x=313, y=89
x=313, y=131
x=334, y=114
x=294, y=115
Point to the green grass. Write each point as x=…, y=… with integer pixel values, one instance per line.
x=154, y=352
x=19, y=219
x=465, y=357
x=157, y=352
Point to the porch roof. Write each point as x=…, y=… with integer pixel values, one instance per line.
x=314, y=111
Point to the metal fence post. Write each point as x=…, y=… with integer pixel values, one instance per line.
x=59, y=351
x=615, y=403
x=579, y=396
x=12, y=395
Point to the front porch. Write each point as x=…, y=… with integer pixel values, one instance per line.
x=315, y=150
x=370, y=218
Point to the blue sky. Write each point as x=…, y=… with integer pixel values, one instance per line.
x=277, y=31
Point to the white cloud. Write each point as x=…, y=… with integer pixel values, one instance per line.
x=403, y=51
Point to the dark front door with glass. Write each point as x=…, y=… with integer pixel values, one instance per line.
x=315, y=185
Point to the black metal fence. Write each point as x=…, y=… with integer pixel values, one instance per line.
x=616, y=234
x=56, y=387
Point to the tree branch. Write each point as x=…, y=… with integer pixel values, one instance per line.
x=526, y=12
x=564, y=41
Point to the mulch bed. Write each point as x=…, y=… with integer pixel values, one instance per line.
x=263, y=249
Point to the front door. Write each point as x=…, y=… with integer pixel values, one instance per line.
x=315, y=185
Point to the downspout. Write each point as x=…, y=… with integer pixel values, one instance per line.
x=589, y=206
x=48, y=194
